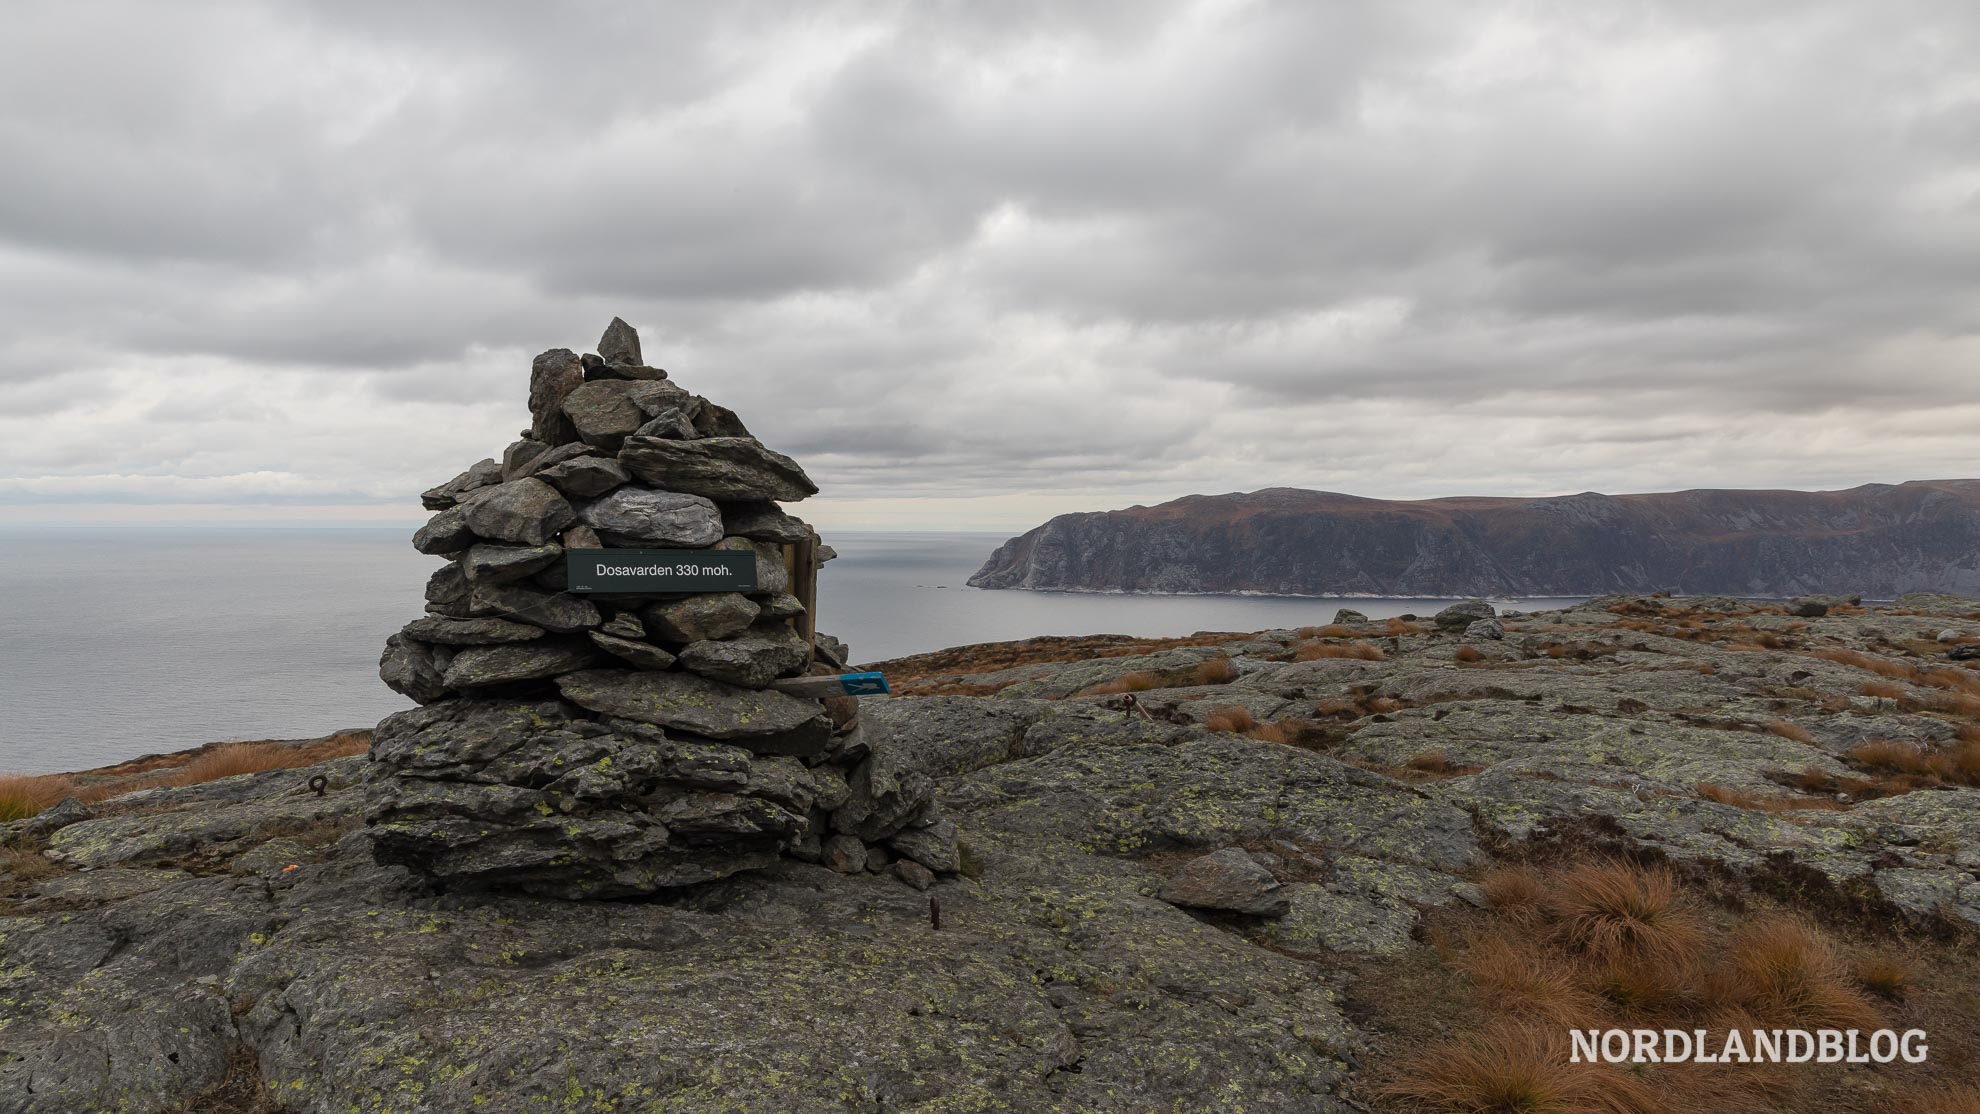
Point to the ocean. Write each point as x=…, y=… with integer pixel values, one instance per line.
x=119, y=642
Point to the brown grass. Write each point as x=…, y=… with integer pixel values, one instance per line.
x=1615, y=911
x=240, y=758
x=1396, y=628
x=1236, y=720
x=1739, y=798
x=1784, y=969
x=1364, y=651
x=1789, y=730
x=1331, y=630
x=25, y=865
x=1883, y=667
x=1940, y=1100
x=1468, y=654
x=1885, y=977
x=1215, y=671
x=1140, y=681
x=23, y=796
x=1514, y=976
x=1271, y=733
x=1518, y=1069
x=1513, y=891
x=1883, y=690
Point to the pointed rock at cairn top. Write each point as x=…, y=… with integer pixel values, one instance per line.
x=620, y=345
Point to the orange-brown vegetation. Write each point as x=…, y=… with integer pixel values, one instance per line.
x=1883, y=690
x=1331, y=630
x=988, y=657
x=1398, y=627
x=1739, y=798
x=23, y=796
x=1240, y=721
x=1211, y=671
x=1518, y=1069
x=1614, y=944
x=1468, y=654
x=1958, y=764
x=1789, y=730
x=1364, y=651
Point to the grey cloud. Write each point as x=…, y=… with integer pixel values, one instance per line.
x=960, y=250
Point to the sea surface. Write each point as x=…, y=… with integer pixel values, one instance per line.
x=119, y=642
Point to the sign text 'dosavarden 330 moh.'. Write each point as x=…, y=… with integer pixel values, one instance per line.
x=660, y=570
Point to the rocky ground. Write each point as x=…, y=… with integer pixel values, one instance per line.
x=1150, y=914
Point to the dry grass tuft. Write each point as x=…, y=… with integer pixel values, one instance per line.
x=1518, y=1069
x=1127, y=682
x=1431, y=762
x=1510, y=974
x=1943, y=1100
x=1913, y=766
x=1885, y=977
x=241, y=758
x=1616, y=911
x=1513, y=891
x=1882, y=690
x=1396, y=628
x=24, y=865
x=1271, y=733
x=1364, y=651
x=1785, y=969
x=1231, y=719
x=1331, y=630
x=1739, y=798
x=1788, y=730
x=1468, y=654
x=1215, y=671
x=23, y=796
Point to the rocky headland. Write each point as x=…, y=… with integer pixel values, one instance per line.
x=1879, y=540
x=1238, y=890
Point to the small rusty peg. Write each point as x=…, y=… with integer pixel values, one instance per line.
x=319, y=785
x=935, y=913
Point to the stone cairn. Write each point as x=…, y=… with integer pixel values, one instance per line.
x=604, y=746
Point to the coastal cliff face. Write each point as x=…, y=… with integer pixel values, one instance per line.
x=1878, y=540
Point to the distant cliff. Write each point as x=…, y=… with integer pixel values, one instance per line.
x=1878, y=540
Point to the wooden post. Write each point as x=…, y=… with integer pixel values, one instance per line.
x=802, y=562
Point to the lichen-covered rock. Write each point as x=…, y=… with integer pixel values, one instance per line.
x=762, y=520
x=446, y=532
x=762, y=721
x=606, y=411
x=737, y=468
x=407, y=667
x=556, y=613
x=645, y=655
x=585, y=477
x=1228, y=880
x=469, y=632
x=1458, y=616
x=480, y=666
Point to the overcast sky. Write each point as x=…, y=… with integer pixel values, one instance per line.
x=974, y=264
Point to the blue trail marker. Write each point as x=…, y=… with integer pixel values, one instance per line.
x=845, y=684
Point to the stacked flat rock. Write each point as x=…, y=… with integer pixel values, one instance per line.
x=598, y=745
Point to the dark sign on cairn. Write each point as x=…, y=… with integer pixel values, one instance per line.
x=598, y=743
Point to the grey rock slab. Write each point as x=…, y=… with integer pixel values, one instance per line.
x=556, y=613
x=934, y=847
x=711, y=420
x=476, y=666
x=619, y=344
x=1458, y=616
x=446, y=532
x=772, y=574
x=761, y=721
x=671, y=424
x=552, y=377
x=738, y=468
x=644, y=655
x=469, y=632
x=482, y=474
x=525, y=512
x=585, y=477
x=713, y=615
x=1490, y=630
x=408, y=668
x=751, y=660
x=845, y=854
x=914, y=874
x=625, y=624
x=636, y=516
x=487, y=563
x=762, y=520
x=1229, y=880
x=1348, y=615
x=1321, y=917
x=517, y=457
x=607, y=411
x=779, y=605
